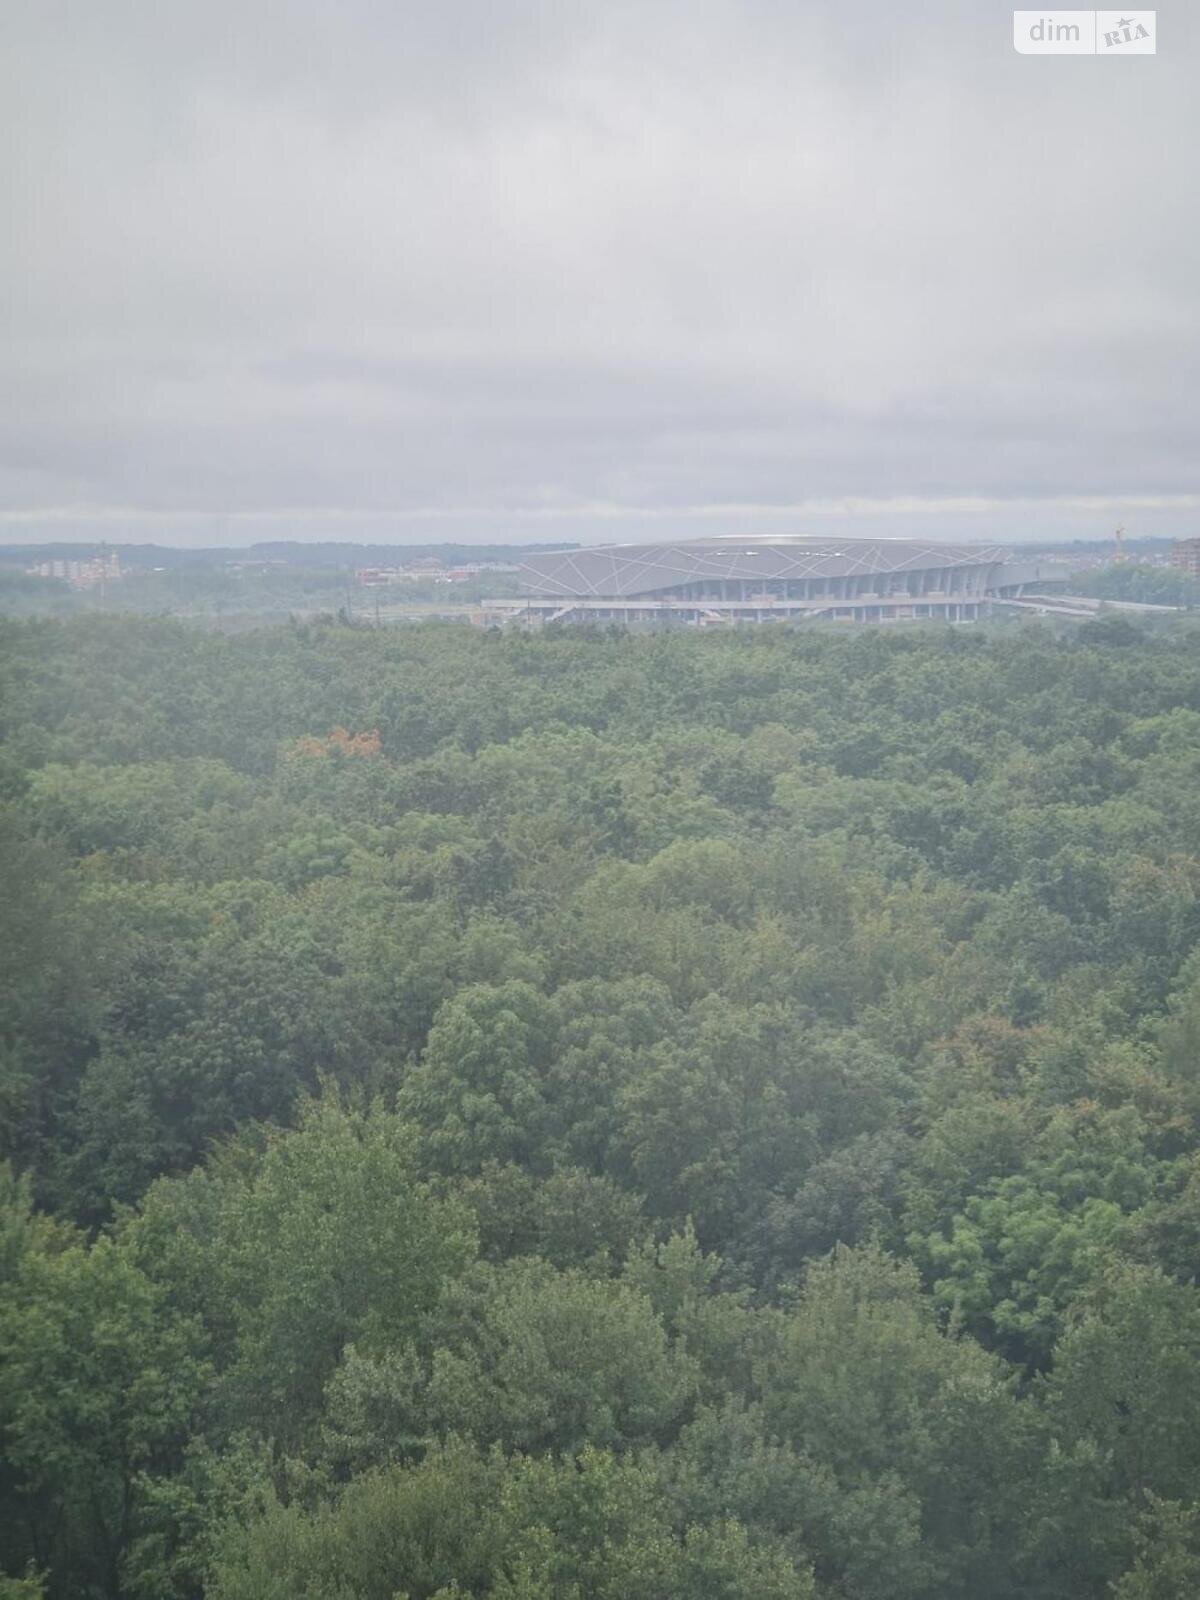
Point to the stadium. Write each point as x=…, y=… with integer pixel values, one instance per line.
x=783, y=578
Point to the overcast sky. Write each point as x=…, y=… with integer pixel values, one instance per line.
x=623, y=269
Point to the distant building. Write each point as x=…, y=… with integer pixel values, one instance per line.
x=778, y=578
x=1186, y=556
x=91, y=574
x=473, y=569
x=379, y=577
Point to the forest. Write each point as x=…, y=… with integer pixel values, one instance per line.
x=212, y=593
x=599, y=1116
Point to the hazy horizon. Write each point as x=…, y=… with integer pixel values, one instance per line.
x=223, y=533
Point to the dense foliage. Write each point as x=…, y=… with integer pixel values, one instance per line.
x=595, y=1117
x=227, y=594
x=1134, y=580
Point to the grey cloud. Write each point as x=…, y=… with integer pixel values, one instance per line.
x=560, y=269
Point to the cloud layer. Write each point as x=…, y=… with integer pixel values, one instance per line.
x=525, y=270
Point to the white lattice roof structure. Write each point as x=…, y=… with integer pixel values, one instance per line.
x=629, y=570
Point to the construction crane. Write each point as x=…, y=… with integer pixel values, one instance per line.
x=1119, y=540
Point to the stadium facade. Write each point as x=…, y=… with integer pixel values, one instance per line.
x=782, y=578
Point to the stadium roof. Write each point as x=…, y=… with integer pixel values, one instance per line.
x=632, y=569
